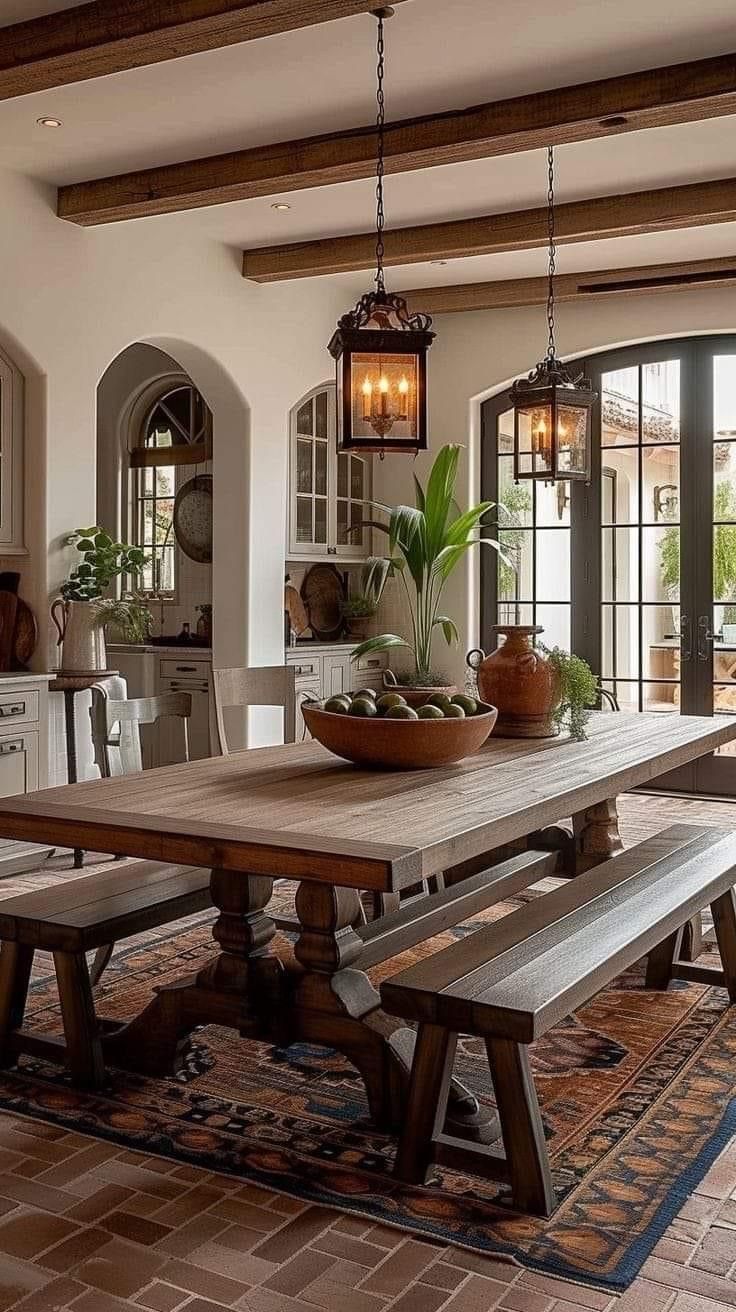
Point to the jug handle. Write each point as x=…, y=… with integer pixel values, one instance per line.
x=389, y=679
x=60, y=626
x=477, y=651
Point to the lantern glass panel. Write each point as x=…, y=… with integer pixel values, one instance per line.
x=572, y=432
x=534, y=440
x=385, y=394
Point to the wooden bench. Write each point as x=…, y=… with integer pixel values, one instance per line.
x=69, y=920
x=509, y=982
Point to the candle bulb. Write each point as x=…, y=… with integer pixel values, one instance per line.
x=367, y=390
x=383, y=389
x=539, y=438
x=403, y=398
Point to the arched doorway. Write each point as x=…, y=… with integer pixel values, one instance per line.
x=637, y=571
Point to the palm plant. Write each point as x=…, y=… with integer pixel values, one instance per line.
x=426, y=542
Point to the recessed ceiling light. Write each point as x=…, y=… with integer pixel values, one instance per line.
x=49, y=122
x=280, y=205
x=440, y=262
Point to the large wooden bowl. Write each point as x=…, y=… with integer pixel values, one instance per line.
x=400, y=744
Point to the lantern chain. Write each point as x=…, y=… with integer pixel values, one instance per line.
x=552, y=252
x=380, y=124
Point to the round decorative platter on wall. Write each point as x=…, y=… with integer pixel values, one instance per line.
x=323, y=592
x=193, y=518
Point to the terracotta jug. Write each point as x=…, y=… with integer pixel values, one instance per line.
x=81, y=637
x=520, y=681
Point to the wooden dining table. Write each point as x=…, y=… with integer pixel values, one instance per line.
x=297, y=813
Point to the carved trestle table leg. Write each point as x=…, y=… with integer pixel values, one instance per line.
x=596, y=835
x=241, y=988
x=336, y=1004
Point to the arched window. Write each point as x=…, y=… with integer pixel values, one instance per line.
x=176, y=432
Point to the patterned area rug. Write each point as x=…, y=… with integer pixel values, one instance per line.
x=635, y=1091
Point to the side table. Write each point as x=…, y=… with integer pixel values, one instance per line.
x=71, y=684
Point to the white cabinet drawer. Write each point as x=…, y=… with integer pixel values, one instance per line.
x=18, y=708
x=184, y=668
x=18, y=763
x=305, y=667
x=372, y=661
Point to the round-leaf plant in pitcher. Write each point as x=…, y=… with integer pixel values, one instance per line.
x=83, y=610
x=426, y=542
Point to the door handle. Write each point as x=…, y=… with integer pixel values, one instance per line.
x=705, y=636
x=686, y=638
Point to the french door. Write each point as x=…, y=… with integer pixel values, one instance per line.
x=637, y=571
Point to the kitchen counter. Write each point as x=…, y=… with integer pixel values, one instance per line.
x=150, y=648
x=316, y=644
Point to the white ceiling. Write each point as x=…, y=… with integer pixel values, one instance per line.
x=440, y=55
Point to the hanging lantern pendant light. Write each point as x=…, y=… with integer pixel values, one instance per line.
x=552, y=408
x=381, y=349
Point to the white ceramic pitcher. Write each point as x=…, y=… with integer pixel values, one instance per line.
x=81, y=637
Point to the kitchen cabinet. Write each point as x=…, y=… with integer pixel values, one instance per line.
x=151, y=672
x=329, y=494
x=324, y=670
x=23, y=756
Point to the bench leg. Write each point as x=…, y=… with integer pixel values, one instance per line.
x=426, y=1107
x=16, y=961
x=81, y=1030
x=660, y=959
x=692, y=940
x=102, y=959
x=724, y=920
x=521, y=1127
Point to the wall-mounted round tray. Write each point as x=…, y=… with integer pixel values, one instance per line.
x=193, y=518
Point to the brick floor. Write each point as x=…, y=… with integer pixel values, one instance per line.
x=87, y=1226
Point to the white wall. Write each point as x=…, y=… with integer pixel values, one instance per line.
x=477, y=353
x=72, y=300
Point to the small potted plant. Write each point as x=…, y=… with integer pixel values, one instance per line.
x=426, y=543
x=577, y=689
x=83, y=610
x=362, y=605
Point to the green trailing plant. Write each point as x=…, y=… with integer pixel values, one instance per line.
x=102, y=561
x=426, y=543
x=578, y=689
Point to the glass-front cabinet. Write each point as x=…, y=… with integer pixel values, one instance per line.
x=636, y=571
x=329, y=494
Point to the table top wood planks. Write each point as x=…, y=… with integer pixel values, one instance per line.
x=297, y=812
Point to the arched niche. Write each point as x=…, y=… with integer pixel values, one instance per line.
x=143, y=366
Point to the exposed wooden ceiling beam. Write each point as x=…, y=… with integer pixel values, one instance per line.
x=657, y=97
x=664, y=209
x=512, y=293
x=108, y=36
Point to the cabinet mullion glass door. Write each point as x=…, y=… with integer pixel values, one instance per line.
x=311, y=458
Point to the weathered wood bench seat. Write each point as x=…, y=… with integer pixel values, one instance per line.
x=69, y=920
x=509, y=982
